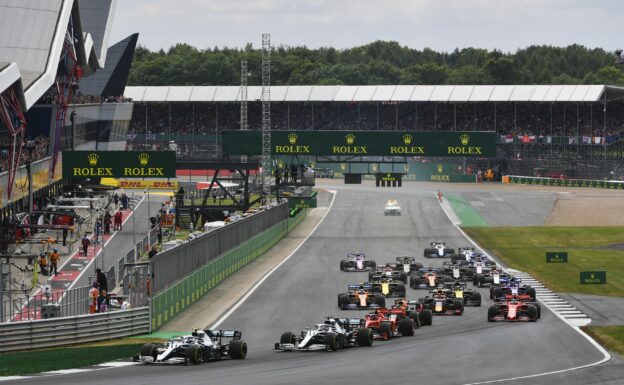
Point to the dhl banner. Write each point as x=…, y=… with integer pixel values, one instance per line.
x=161, y=184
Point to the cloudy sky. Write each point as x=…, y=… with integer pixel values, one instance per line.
x=438, y=24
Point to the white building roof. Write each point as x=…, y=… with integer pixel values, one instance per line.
x=380, y=93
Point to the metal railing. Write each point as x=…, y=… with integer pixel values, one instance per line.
x=71, y=302
x=73, y=330
x=171, y=265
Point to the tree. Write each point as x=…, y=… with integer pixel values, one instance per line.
x=428, y=73
x=502, y=71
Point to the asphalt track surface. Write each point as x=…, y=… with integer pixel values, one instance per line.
x=455, y=350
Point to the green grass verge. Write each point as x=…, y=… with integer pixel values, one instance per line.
x=611, y=337
x=464, y=211
x=37, y=361
x=589, y=248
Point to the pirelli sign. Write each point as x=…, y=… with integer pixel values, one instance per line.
x=118, y=164
x=475, y=144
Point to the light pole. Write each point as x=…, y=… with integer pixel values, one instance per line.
x=133, y=230
x=149, y=220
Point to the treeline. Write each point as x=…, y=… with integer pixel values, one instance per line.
x=380, y=62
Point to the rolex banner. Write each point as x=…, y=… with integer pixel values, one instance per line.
x=363, y=143
x=119, y=164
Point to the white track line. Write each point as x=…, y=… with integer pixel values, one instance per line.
x=605, y=353
x=267, y=275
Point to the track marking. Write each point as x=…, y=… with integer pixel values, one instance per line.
x=605, y=353
x=267, y=275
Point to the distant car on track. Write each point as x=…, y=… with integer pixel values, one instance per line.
x=357, y=262
x=392, y=208
x=360, y=297
x=513, y=310
x=438, y=250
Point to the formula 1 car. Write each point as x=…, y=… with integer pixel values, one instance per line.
x=464, y=254
x=390, y=323
x=512, y=287
x=512, y=310
x=357, y=262
x=427, y=278
x=392, y=208
x=458, y=270
x=200, y=346
x=438, y=250
x=388, y=271
x=388, y=287
x=488, y=276
x=458, y=290
x=360, y=297
x=333, y=334
x=424, y=317
x=440, y=304
x=407, y=264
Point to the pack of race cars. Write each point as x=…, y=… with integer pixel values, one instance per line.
x=448, y=294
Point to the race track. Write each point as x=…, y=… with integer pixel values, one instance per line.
x=455, y=350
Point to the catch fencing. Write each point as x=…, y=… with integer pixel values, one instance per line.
x=608, y=184
x=171, y=265
x=73, y=330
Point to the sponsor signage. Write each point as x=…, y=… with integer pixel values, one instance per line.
x=152, y=184
x=593, y=277
x=119, y=164
x=363, y=143
x=556, y=257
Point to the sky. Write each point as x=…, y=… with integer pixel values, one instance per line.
x=442, y=25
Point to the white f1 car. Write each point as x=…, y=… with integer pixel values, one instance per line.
x=357, y=262
x=200, y=346
x=392, y=208
x=333, y=334
x=438, y=250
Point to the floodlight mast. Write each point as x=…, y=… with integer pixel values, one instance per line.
x=243, y=107
x=266, y=114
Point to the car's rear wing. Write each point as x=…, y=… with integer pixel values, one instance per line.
x=365, y=286
x=217, y=333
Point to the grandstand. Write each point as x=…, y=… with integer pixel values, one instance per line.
x=47, y=47
x=572, y=130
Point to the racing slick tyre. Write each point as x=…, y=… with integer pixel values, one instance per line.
x=288, y=338
x=343, y=265
x=492, y=312
x=406, y=327
x=331, y=342
x=532, y=313
x=380, y=301
x=531, y=293
x=476, y=298
x=469, y=273
x=400, y=290
x=403, y=277
x=459, y=304
x=343, y=300
x=238, y=349
x=477, y=280
x=385, y=329
x=457, y=258
x=372, y=266
x=193, y=354
x=414, y=282
x=426, y=317
x=539, y=309
x=149, y=350
x=498, y=293
x=365, y=337
x=427, y=253
x=413, y=315
x=492, y=292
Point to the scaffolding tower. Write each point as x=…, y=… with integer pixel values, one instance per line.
x=266, y=114
x=243, y=106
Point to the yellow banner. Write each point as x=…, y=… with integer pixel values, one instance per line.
x=161, y=184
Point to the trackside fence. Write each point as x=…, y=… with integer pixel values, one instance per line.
x=174, y=299
x=73, y=330
x=608, y=184
x=172, y=265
